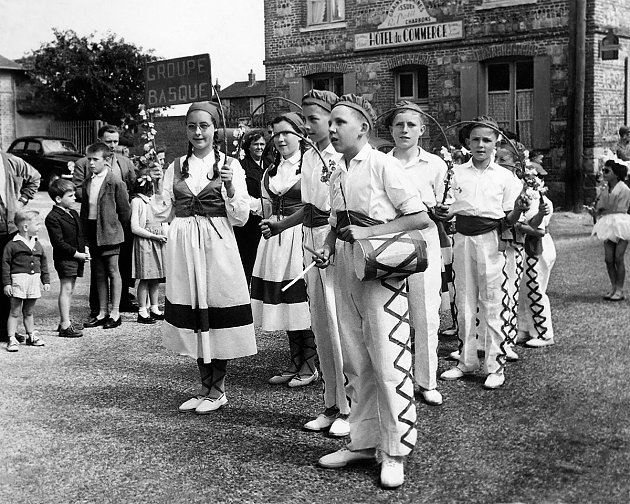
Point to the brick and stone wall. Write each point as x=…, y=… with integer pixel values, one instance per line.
x=7, y=109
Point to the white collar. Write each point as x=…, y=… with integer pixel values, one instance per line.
x=103, y=174
x=30, y=242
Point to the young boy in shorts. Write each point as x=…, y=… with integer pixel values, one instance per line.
x=370, y=194
x=69, y=250
x=483, y=196
x=104, y=211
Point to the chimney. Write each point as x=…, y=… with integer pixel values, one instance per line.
x=252, y=78
x=217, y=86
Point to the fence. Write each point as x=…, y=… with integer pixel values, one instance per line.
x=82, y=133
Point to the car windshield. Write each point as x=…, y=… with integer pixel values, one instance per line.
x=53, y=146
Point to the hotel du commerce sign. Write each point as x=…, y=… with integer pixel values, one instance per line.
x=408, y=23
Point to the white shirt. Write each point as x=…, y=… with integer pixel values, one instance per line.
x=237, y=207
x=30, y=242
x=95, y=188
x=489, y=193
x=314, y=191
x=428, y=172
x=375, y=185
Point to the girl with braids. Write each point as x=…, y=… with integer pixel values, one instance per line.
x=280, y=259
x=207, y=309
x=613, y=226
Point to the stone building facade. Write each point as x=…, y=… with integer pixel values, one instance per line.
x=512, y=59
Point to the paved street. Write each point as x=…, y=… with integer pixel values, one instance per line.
x=95, y=420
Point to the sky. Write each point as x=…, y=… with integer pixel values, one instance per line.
x=231, y=31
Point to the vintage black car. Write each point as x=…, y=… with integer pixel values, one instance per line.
x=52, y=157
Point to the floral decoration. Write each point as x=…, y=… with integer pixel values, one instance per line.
x=327, y=171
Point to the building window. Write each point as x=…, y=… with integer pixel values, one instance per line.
x=511, y=96
x=412, y=84
x=325, y=11
x=327, y=82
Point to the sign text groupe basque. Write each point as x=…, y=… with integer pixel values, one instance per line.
x=179, y=80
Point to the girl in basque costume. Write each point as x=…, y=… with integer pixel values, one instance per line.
x=207, y=309
x=280, y=259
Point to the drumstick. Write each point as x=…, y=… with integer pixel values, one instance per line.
x=299, y=277
x=314, y=252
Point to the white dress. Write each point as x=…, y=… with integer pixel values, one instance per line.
x=614, y=226
x=280, y=259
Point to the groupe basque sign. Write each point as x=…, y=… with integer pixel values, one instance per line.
x=407, y=22
x=179, y=80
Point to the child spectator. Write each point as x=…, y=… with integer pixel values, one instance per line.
x=69, y=250
x=534, y=313
x=613, y=227
x=482, y=196
x=104, y=212
x=24, y=266
x=148, y=250
x=375, y=190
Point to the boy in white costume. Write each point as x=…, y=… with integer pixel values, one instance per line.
x=427, y=172
x=371, y=195
x=316, y=107
x=482, y=196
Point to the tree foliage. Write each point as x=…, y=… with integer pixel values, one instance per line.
x=89, y=78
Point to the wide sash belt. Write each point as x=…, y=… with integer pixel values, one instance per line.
x=314, y=217
x=349, y=217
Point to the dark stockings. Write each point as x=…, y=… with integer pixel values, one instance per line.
x=212, y=377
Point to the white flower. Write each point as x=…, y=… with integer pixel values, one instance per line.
x=446, y=153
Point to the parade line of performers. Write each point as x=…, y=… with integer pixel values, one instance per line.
x=376, y=340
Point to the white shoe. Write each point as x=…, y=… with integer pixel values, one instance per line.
x=392, y=471
x=431, y=397
x=453, y=374
x=302, y=381
x=191, y=404
x=343, y=457
x=510, y=354
x=539, y=342
x=322, y=422
x=209, y=404
x=454, y=355
x=340, y=427
x=282, y=378
x=494, y=380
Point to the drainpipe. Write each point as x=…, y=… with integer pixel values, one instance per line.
x=575, y=130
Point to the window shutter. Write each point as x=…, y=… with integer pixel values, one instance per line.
x=350, y=83
x=295, y=92
x=542, y=103
x=627, y=88
x=469, y=90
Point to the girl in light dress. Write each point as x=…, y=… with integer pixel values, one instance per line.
x=280, y=258
x=207, y=309
x=613, y=226
x=148, y=249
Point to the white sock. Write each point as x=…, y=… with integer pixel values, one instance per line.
x=143, y=312
x=155, y=309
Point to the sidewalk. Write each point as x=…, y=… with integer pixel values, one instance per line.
x=95, y=420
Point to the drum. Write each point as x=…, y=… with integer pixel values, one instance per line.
x=390, y=255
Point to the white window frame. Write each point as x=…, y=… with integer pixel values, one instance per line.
x=422, y=101
x=326, y=18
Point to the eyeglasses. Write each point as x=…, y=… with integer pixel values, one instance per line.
x=192, y=127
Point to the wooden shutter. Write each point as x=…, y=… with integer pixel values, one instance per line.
x=469, y=90
x=542, y=103
x=350, y=83
x=295, y=92
x=627, y=92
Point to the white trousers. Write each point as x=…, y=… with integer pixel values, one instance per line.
x=376, y=344
x=321, y=299
x=514, y=255
x=534, y=311
x=424, y=311
x=480, y=282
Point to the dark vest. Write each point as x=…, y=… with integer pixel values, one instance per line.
x=287, y=204
x=209, y=202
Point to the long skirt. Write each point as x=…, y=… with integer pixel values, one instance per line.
x=207, y=309
x=278, y=261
